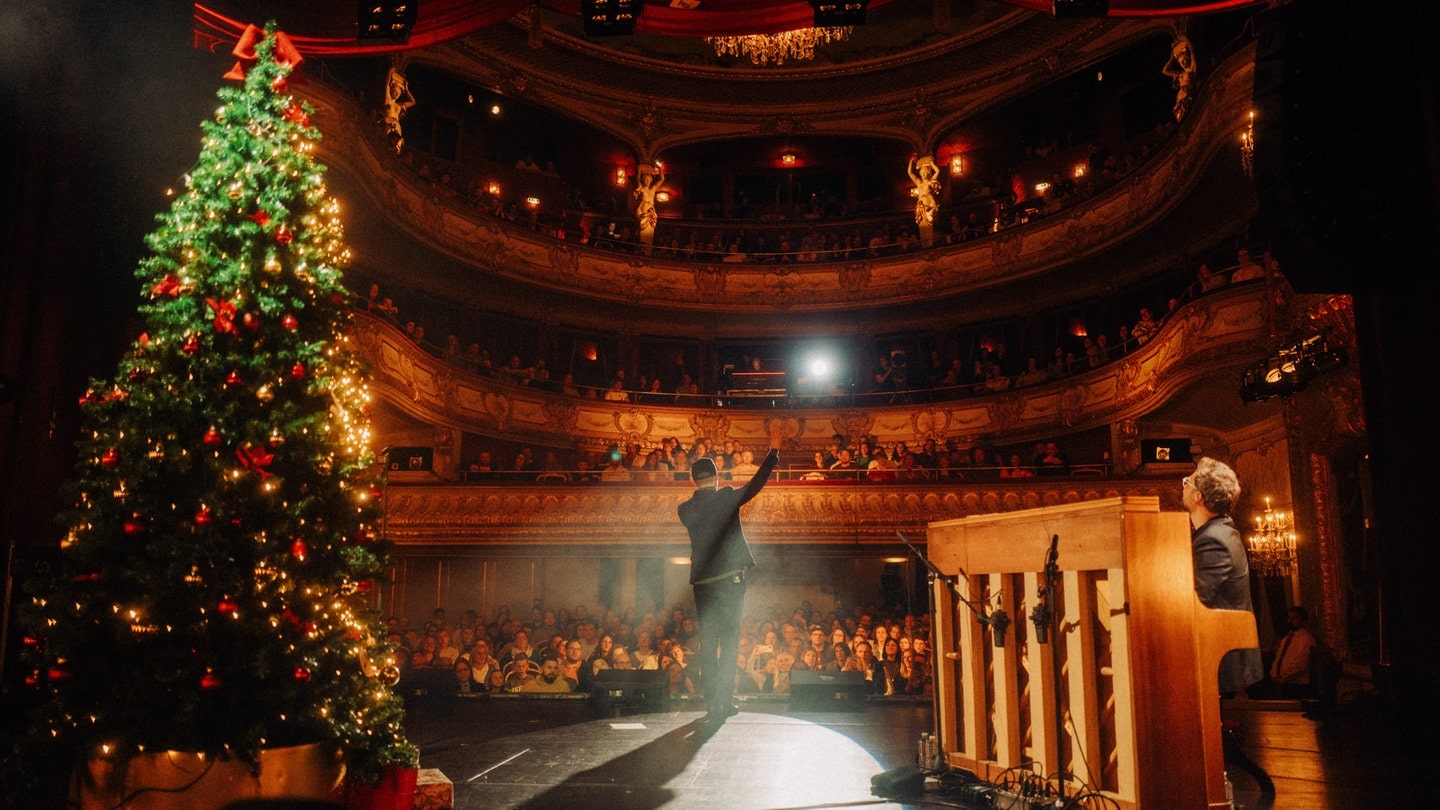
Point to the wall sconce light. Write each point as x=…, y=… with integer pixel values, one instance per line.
x=788, y=158
x=533, y=202
x=957, y=164
x=1080, y=169
x=492, y=188
x=621, y=177
x=1040, y=187
x=1247, y=147
x=494, y=109
x=662, y=196
x=1272, y=546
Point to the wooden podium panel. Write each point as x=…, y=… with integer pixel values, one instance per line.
x=1137, y=683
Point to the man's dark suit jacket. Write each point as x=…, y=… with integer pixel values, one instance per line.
x=1222, y=581
x=712, y=516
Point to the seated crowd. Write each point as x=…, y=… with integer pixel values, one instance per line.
x=991, y=370
x=558, y=651
x=820, y=229
x=864, y=460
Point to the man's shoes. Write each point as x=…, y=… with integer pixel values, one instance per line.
x=719, y=711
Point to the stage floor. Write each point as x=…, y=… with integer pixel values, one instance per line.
x=529, y=753
x=565, y=753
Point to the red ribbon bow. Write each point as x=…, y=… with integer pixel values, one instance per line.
x=285, y=51
x=167, y=286
x=255, y=458
x=224, y=316
x=296, y=115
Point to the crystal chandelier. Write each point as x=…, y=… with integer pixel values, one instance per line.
x=1272, y=546
x=774, y=49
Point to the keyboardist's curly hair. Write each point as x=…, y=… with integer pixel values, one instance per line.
x=1217, y=483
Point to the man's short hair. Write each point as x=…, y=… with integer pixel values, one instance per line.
x=702, y=470
x=1300, y=611
x=1217, y=483
x=549, y=655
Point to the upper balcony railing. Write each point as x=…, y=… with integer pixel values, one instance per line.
x=1227, y=329
x=660, y=280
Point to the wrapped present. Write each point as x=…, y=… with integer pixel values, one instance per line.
x=433, y=791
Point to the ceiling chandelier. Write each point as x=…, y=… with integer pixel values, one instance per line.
x=774, y=49
x=1272, y=546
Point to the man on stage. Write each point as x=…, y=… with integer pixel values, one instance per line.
x=719, y=558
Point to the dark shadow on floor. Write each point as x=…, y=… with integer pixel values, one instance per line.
x=645, y=771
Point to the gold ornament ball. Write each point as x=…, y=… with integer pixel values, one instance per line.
x=390, y=676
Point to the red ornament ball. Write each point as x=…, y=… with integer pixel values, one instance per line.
x=228, y=607
x=250, y=320
x=283, y=236
x=109, y=458
x=302, y=674
x=290, y=322
x=297, y=371
x=298, y=550
x=191, y=345
x=364, y=586
x=209, y=682
x=58, y=673
x=212, y=438
x=233, y=379
x=203, y=518
x=134, y=527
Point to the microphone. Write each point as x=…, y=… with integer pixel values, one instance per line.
x=1041, y=617
x=999, y=623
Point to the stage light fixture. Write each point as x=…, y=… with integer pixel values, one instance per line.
x=610, y=18
x=386, y=20
x=1290, y=368
x=835, y=13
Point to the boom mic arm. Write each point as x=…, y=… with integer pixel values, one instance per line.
x=997, y=620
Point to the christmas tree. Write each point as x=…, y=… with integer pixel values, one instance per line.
x=220, y=550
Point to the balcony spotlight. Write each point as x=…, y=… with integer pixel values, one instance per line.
x=1290, y=368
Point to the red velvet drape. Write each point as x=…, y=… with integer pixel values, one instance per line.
x=441, y=20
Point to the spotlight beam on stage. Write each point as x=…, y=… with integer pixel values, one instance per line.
x=531, y=753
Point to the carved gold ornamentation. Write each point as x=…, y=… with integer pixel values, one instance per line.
x=710, y=280
x=854, y=277
x=560, y=416
x=1072, y=401
x=853, y=424
x=634, y=425
x=1005, y=410
x=931, y=423
x=710, y=425
x=498, y=407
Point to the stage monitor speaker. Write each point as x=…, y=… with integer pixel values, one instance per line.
x=410, y=459
x=906, y=781
x=827, y=691
x=632, y=690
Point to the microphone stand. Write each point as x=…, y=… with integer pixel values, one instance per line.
x=997, y=620
x=1047, y=630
